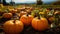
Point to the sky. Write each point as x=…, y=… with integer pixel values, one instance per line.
x=29, y=1
x=22, y=1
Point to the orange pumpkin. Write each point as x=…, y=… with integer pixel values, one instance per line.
x=40, y=24
x=28, y=11
x=26, y=19
x=51, y=19
x=47, y=10
x=13, y=27
x=31, y=8
x=13, y=11
x=22, y=13
x=18, y=8
x=57, y=12
x=22, y=9
x=7, y=15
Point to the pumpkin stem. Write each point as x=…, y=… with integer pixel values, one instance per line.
x=38, y=16
x=27, y=14
x=14, y=21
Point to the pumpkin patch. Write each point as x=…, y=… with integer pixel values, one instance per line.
x=29, y=20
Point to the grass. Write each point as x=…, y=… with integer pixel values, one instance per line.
x=34, y=5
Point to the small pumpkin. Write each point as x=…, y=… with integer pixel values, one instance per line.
x=13, y=27
x=51, y=19
x=7, y=15
x=56, y=12
x=22, y=9
x=26, y=19
x=40, y=24
x=18, y=9
x=23, y=13
x=13, y=11
x=31, y=8
x=47, y=10
x=28, y=11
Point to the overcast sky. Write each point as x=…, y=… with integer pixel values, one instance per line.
x=27, y=1
x=22, y=1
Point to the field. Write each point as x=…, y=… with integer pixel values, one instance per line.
x=50, y=12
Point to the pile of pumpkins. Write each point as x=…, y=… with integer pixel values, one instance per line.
x=35, y=17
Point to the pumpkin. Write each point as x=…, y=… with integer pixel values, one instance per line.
x=27, y=7
x=51, y=19
x=31, y=8
x=10, y=9
x=23, y=13
x=26, y=19
x=40, y=23
x=56, y=12
x=18, y=9
x=22, y=9
x=13, y=11
x=28, y=11
x=47, y=10
x=7, y=15
x=13, y=27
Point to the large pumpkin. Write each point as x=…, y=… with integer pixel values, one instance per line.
x=7, y=15
x=40, y=24
x=26, y=19
x=13, y=27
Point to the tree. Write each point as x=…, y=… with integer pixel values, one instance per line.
x=56, y=3
x=0, y=1
x=39, y=2
x=12, y=2
x=4, y=2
